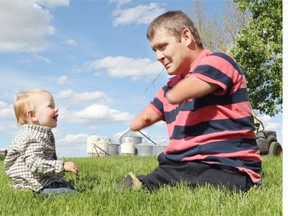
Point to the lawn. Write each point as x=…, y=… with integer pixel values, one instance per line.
x=98, y=194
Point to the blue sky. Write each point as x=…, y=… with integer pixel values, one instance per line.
x=93, y=56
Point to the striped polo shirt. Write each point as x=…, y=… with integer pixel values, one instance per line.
x=217, y=128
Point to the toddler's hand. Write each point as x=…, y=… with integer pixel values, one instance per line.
x=70, y=167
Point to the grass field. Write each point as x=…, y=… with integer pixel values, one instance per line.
x=98, y=194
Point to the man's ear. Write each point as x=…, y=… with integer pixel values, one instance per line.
x=187, y=36
x=31, y=116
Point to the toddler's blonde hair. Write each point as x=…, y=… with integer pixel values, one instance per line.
x=24, y=102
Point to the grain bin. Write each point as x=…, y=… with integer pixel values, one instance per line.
x=143, y=149
x=131, y=139
x=97, y=146
x=159, y=149
x=127, y=148
x=113, y=149
x=128, y=142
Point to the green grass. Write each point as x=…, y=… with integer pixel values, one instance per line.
x=98, y=194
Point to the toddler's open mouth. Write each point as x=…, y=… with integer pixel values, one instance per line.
x=56, y=117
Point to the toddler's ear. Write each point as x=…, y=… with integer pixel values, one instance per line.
x=31, y=116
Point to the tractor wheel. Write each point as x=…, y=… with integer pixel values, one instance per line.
x=275, y=149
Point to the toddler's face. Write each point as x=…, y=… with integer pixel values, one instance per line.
x=46, y=113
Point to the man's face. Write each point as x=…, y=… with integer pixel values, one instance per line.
x=170, y=52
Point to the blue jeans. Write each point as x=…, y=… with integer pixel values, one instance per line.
x=57, y=188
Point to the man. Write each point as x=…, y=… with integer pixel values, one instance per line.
x=207, y=112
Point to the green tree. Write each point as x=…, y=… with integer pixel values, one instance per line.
x=259, y=52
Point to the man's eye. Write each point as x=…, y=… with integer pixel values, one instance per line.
x=162, y=47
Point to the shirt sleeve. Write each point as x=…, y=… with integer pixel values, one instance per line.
x=218, y=70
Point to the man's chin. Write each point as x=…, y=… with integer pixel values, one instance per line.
x=170, y=72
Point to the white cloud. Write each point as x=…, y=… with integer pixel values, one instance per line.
x=25, y=24
x=268, y=124
x=84, y=96
x=7, y=116
x=120, y=2
x=53, y=3
x=62, y=80
x=118, y=67
x=64, y=94
x=76, y=69
x=101, y=113
x=96, y=114
x=36, y=58
x=3, y=105
x=13, y=81
x=70, y=42
x=7, y=113
x=71, y=144
x=271, y=125
x=141, y=14
x=74, y=138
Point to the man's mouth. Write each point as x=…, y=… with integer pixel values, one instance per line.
x=167, y=65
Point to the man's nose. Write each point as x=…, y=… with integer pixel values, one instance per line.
x=159, y=55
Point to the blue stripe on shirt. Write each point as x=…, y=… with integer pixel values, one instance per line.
x=230, y=163
x=215, y=126
x=230, y=60
x=214, y=148
x=209, y=100
x=215, y=74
